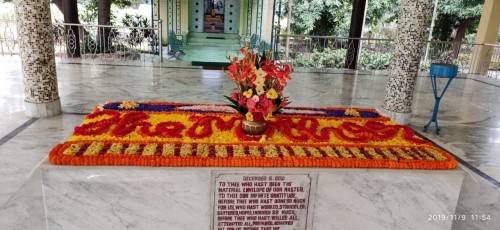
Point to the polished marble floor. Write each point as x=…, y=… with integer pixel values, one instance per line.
x=469, y=118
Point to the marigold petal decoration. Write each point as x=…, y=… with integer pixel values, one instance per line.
x=352, y=112
x=182, y=134
x=128, y=105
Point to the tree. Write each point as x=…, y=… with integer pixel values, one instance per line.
x=92, y=8
x=381, y=12
x=332, y=17
x=319, y=17
x=104, y=13
x=70, y=12
x=458, y=16
x=101, y=9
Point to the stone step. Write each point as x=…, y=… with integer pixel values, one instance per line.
x=204, y=44
x=213, y=41
x=205, y=47
x=213, y=35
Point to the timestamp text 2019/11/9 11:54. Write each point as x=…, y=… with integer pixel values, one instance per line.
x=473, y=217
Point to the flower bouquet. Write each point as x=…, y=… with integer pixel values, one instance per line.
x=260, y=83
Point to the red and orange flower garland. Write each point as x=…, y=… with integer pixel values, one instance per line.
x=173, y=134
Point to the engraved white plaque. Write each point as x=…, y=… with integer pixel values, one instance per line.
x=261, y=201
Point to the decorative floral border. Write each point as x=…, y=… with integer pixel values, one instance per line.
x=220, y=108
x=181, y=134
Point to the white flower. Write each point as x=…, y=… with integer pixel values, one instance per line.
x=259, y=81
x=260, y=90
x=260, y=73
x=101, y=105
x=255, y=98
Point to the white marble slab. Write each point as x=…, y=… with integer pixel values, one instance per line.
x=478, y=197
x=180, y=198
x=126, y=198
x=25, y=208
x=386, y=199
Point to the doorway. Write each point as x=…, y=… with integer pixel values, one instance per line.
x=213, y=16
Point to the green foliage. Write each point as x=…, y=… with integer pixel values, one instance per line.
x=374, y=61
x=335, y=58
x=381, y=12
x=124, y=3
x=494, y=66
x=451, y=13
x=303, y=61
x=330, y=58
x=333, y=17
x=327, y=58
x=136, y=36
x=236, y=106
x=90, y=12
x=320, y=17
x=443, y=27
x=135, y=20
x=463, y=9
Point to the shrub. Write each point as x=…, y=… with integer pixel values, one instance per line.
x=374, y=61
x=136, y=36
x=303, y=61
x=494, y=66
x=335, y=58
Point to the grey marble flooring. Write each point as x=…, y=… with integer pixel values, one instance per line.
x=469, y=117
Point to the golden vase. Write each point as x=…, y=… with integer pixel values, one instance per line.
x=253, y=127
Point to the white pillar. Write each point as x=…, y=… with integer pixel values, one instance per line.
x=36, y=46
x=408, y=49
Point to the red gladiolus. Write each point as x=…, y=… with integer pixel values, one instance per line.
x=247, y=74
x=234, y=96
x=243, y=51
x=242, y=101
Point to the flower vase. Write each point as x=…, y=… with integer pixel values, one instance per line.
x=253, y=127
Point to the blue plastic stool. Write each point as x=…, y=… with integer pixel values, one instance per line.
x=441, y=71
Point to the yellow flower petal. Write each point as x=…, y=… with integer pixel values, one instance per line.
x=272, y=94
x=248, y=93
x=249, y=116
x=269, y=116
